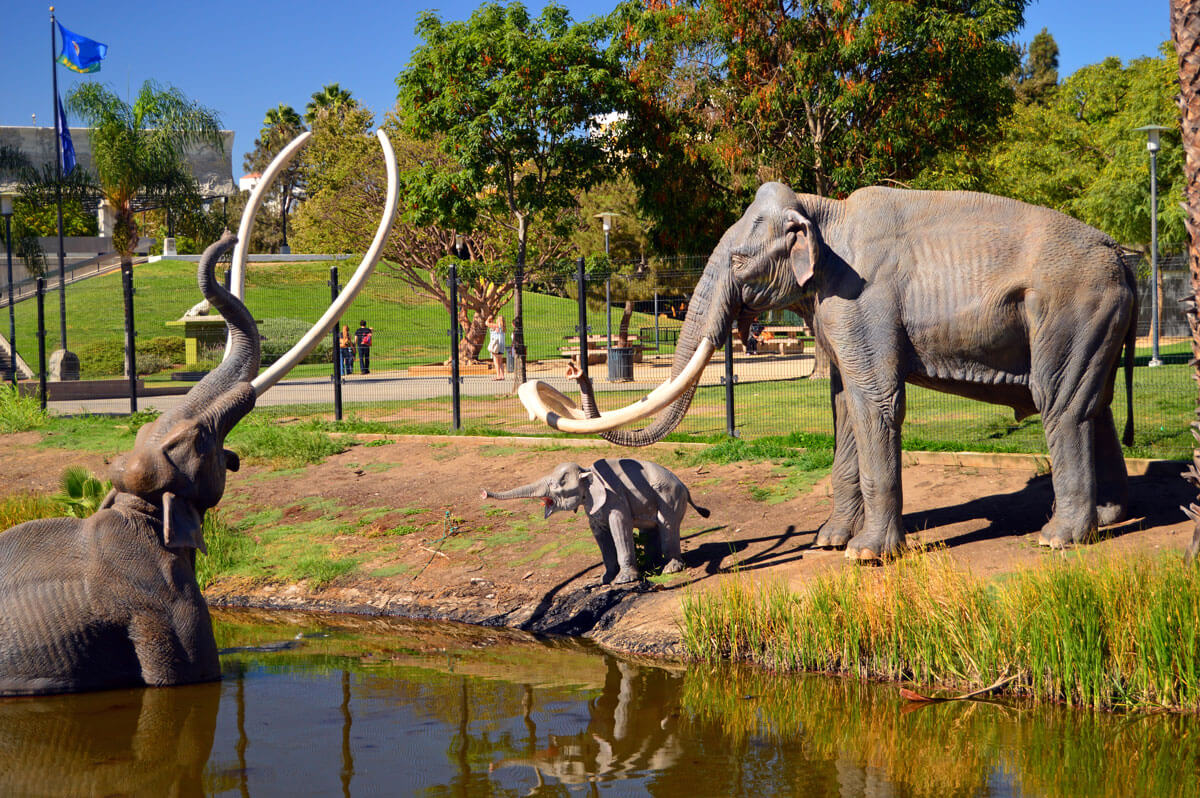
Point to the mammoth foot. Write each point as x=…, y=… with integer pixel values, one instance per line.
x=874, y=548
x=626, y=575
x=673, y=567
x=1059, y=534
x=836, y=532
x=1111, y=513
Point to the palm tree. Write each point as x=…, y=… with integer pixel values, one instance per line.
x=135, y=148
x=1185, y=30
x=332, y=99
x=280, y=126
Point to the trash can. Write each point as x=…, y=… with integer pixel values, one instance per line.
x=510, y=361
x=620, y=364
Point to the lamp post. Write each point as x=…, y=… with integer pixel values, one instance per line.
x=6, y=210
x=1152, y=145
x=606, y=221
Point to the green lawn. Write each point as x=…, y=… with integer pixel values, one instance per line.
x=410, y=329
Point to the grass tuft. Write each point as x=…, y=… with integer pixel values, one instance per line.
x=1084, y=630
x=19, y=413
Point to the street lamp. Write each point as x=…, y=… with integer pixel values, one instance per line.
x=6, y=210
x=606, y=221
x=1152, y=145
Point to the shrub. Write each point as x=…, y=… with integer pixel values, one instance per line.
x=19, y=413
x=279, y=335
x=22, y=507
x=106, y=358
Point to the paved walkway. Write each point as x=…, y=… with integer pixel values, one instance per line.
x=392, y=386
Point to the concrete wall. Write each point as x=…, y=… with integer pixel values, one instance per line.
x=212, y=168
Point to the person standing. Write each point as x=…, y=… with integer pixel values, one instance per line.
x=362, y=337
x=346, y=348
x=495, y=325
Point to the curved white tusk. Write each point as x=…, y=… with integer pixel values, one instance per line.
x=556, y=408
x=305, y=345
x=237, y=268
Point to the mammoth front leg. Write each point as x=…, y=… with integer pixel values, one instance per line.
x=621, y=525
x=608, y=551
x=876, y=421
x=847, y=517
x=1070, y=442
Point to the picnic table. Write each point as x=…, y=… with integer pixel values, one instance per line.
x=597, y=348
x=784, y=339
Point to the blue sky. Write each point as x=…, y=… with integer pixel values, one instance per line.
x=242, y=58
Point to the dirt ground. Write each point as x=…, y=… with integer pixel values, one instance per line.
x=409, y=510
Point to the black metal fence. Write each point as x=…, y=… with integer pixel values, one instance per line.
x=769, y=390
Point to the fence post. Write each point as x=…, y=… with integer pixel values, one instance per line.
x=41, y=336
x=608, y=309
x=656, y=320
x=582, y=328
x=337, y=348
x=455, y=395
x=130, y=332
x=729, y=379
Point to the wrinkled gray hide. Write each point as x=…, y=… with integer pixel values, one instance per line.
x=618, y=497
x=971, y=294
x=112, y=600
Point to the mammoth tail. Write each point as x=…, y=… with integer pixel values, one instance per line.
x=1130, y=343
x=702, y=511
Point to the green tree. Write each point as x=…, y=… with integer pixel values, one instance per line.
x=831, y=95
x=1038, y=76
x=1078, y=152
x=280, y=126
x=346, y=199
x=134, y=147
x=510, y=99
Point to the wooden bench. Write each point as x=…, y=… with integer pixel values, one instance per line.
x=783, y=340
x=599, y=354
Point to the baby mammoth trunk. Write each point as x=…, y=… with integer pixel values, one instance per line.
x=534, y=490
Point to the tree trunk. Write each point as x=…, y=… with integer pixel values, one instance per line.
x=518, y=374
x=1185, y=31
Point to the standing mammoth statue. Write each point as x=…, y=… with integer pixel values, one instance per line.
x=618, y=497
x=971, y=294
x=112, y=600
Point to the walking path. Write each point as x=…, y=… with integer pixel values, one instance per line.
x=392, y=386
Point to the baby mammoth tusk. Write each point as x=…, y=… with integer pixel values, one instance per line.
x=319, y=330
x=560, y=412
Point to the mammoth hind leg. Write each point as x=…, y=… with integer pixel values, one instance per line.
x=846, y=519
x=608, y=551
x=1112, y=480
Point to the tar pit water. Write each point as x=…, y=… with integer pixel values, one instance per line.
x=331, y=705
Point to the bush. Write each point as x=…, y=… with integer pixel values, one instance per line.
x=280, y=335
x=106, y=358
x=19, y=413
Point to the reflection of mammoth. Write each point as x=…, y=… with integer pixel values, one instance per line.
x=631, y=730
x=974, y=295
x=130, y=742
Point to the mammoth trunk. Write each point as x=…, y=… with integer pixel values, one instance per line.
x=214, y=395
x=709, y=315
x=534, y=490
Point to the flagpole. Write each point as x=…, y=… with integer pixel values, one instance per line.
x=58, y=165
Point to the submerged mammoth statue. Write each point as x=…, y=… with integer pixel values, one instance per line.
x=112, y=600
x=971, y=294
x=618, y=497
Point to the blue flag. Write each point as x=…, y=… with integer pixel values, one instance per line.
x=80, y=53
x=66, y=147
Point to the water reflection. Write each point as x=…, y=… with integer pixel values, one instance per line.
x=365, y=707
x=120, y=742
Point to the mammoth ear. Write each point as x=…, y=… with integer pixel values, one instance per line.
x=183, y=527
x=232, y=461
x=806, y=251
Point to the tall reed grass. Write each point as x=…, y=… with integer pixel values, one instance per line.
x=19, y=413
x=1083, y=629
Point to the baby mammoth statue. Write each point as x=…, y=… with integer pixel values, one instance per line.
x=618, y=496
